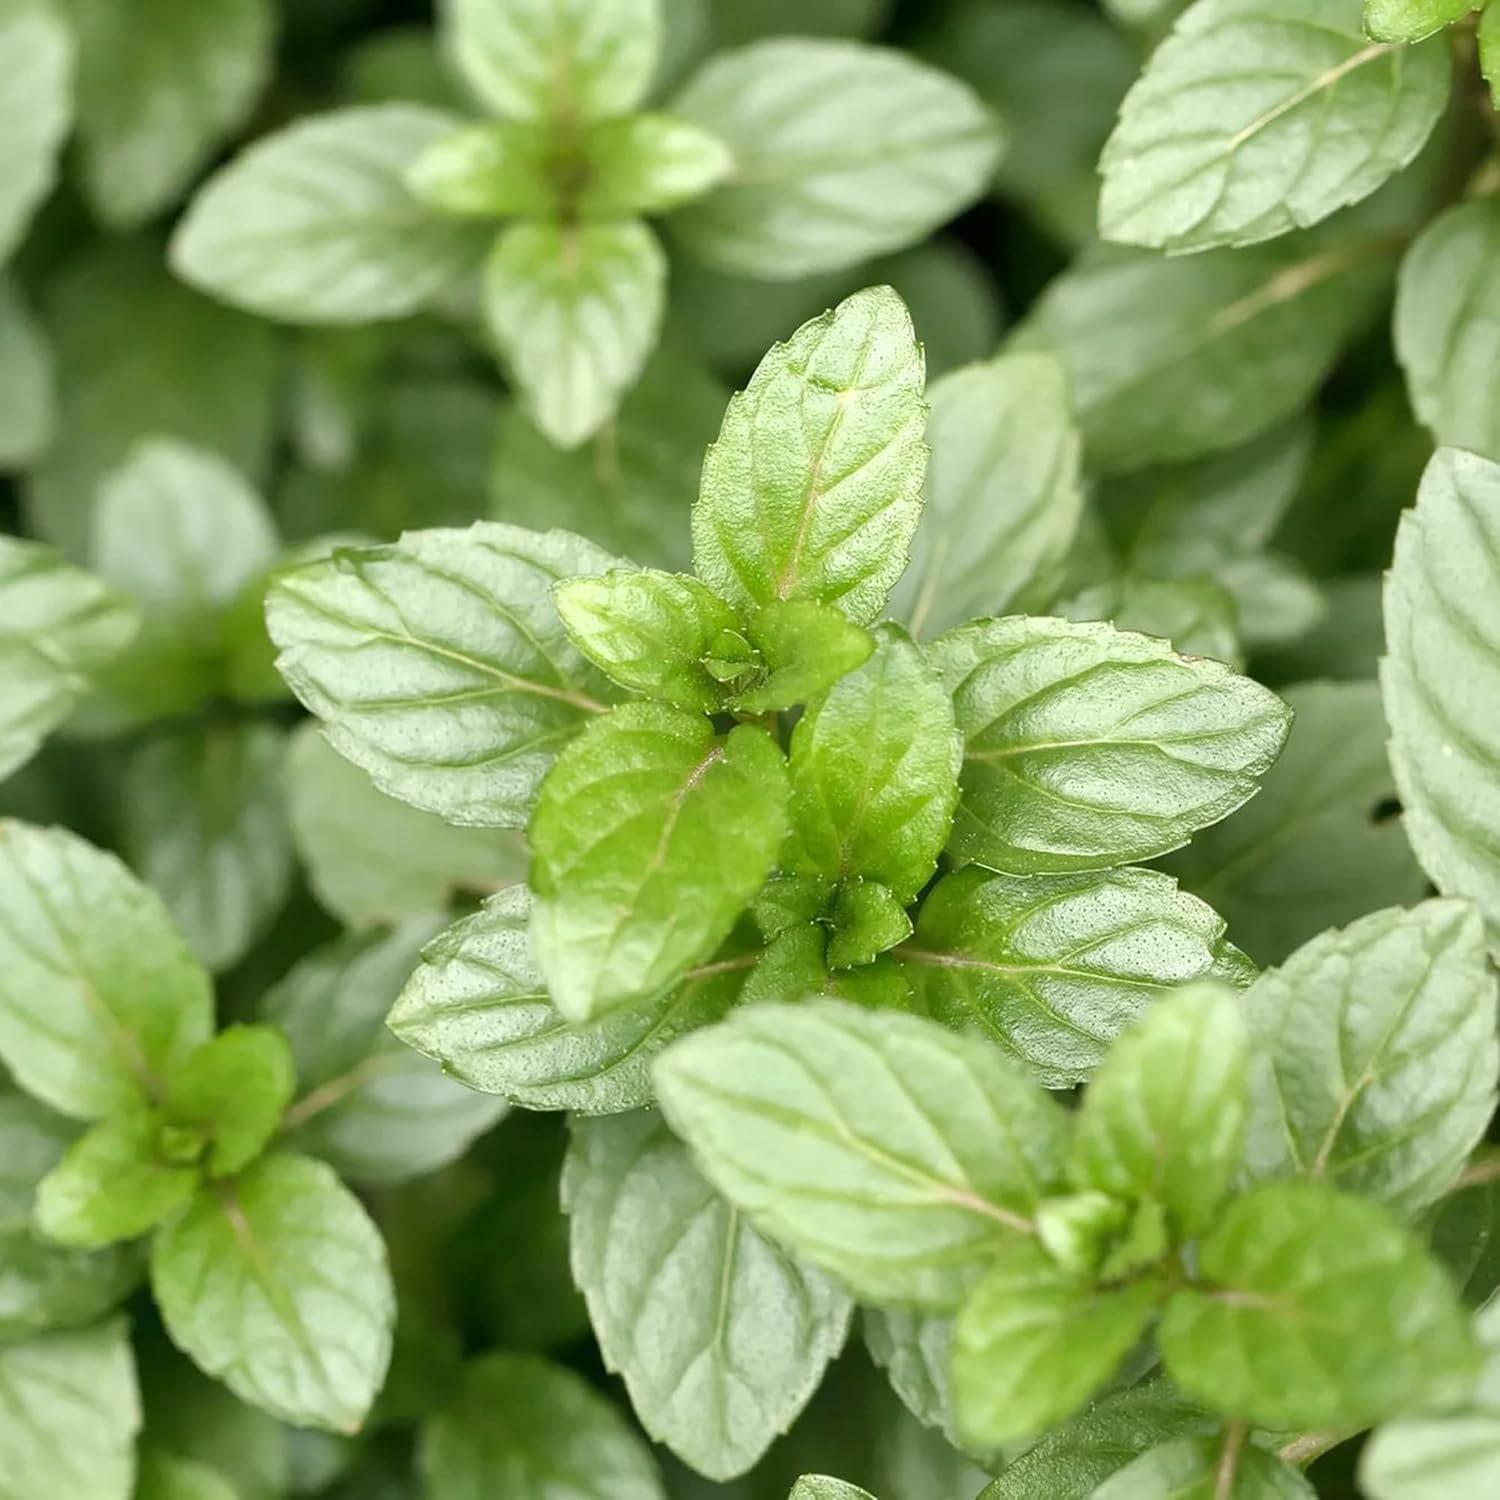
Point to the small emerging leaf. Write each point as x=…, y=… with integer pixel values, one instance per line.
x=804, y=647
x=233, y=1090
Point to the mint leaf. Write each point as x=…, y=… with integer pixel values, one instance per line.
x=1375, y=1055
x=647, y=164
x=576, y=309
x=1316, y=1309
x=877, y=1145
x=821, y=1487
x=114, y=1183
x=804, y=647
x=1411, y=20
x=720, y=1335
x=59, y=628
x=27, y=400
x=1257, y=117
x=315, y=224
x=1438, y=673
x=1206, y=351
x=499, y=168
x=569, y=59
x=868, y=919
x=521, y=1425
x=813, y=488
x=35, y=111
x=649, y=631
x=233, y=1090
x=1003, y=493
x=1196, y=614
x=72, y=1414
x=1449, y=286
x=1088, y=747
x=1054, y=967
x=1489, y=49
x=874, y=768
x=1309, y=852
x=99, y=999
x=892, y=149
x=1033, y=1341
x=1164, y=1118
x=478, y=1005
x=344, y=830
x=204, y=825
x=1195, y=1469
x=159, y=89
x=915, y=1351
x=376, y=1110
x=278, y=1286
x=651, y=835
x=439, y=664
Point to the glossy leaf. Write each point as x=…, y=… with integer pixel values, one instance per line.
x=877, y=1145
x=651, y=835
x=813, y=489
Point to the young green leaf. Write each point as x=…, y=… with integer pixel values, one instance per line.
x=478, y=1005
x=649, y=631
x=1375, y=1055
x=1197, y=1469
x=1310, y=851
x=1441, y=677
x=203, y=822
x=813, y=488
x=59, y=628
x=99, y=998
x=114, y=1183
x=651, y=835
x=821, y=1487
x=278, y=1285
x=28, y=414
x=1054, y=967
x=877, y=1145
x=570, y=60
x=804, y=647
x=439, y=664
x=344, y=830
x=233, y=1090
x=1448, y=294
x=720, y=1335
x=842, y=152
x=159, y=88
x=1034, y=1341
x=1315, y=1309
x=1003, y=493
x=36, y=107
x=373, y=1108
x=1257, y=117
x=1088, y=747
x=72, y=1413
x=647, y=164
x=489, y=171
x=1205, y=351
x=868, y=919
x=523, y=1426
x=315, y=224
x=1411, y=20
x=874, y=768
x=575, y=309
x=1164, y=1118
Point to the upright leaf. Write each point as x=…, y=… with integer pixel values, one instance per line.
x=720, y=1335
x=804, y=648
x=522, y=1426
x=233, y=1090
x=315, y=224
x=575, y=309
x=568, y=59
x=1446, y=300
x=874, y=768
x=813, y=489
x=1196, y=1469
x=478, y=1005
x=651, y=835
x=278, y=1286
x=36, y=109
x=1003, y=493
x=72, y=1413
x=1375, y=1055
x=439, y=665
x=1315, y=1309
x=1441, y=677
x=842, y=152
x=99, y=998
x=1257, y=117
x=1088, y=747
x=880, y=1146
